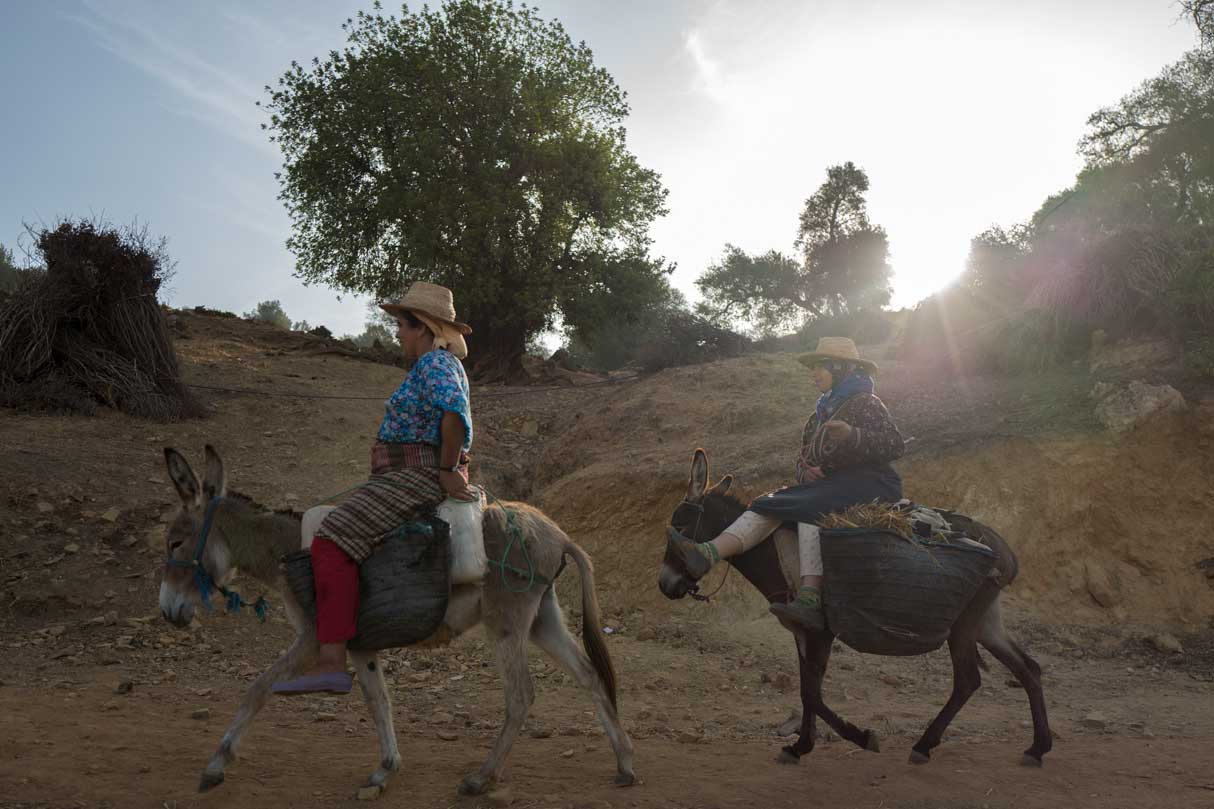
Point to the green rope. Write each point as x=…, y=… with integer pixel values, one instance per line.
x=512, y=530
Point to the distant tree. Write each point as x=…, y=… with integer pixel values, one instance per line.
x=301, y=325
x=270, y=312
x=374, y=332
x=996, y=262
x=846, y=257
x=475, y=146
x=768, y=290
x=844, y=263
x=380, y=326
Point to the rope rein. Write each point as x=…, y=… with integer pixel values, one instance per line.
x=694, y=589
x=203, y=578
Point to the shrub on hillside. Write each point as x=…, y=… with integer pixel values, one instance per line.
x=89, y=330
x=269, y=312
x=10, y=275
x=683, y=338
x=202, y=310
x=1118, y=282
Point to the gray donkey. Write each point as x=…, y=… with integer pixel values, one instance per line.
x=247, y=537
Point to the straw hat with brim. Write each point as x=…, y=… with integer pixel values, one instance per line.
x=837, y=348
x=434, y=305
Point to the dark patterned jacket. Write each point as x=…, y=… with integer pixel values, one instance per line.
x=874, y=439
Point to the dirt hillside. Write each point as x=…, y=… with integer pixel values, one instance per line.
x=99, y=694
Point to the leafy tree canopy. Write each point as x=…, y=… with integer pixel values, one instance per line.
x=475, y=146
x=1150, y=157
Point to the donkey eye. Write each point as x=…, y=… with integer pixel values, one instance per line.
x=175, y=544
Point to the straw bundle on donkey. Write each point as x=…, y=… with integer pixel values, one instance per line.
x=87, y=330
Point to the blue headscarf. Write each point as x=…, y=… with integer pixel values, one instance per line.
x=858, y=381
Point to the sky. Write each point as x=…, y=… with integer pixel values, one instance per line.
x=964, y=114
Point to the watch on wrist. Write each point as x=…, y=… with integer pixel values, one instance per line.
x=450, y=468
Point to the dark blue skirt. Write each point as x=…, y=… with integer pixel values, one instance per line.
x=808, y=502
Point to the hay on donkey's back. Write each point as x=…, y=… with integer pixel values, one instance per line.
x=883, y=516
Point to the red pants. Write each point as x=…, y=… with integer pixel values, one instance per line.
x=336, y=577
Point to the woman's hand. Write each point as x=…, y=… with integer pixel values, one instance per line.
x=455, y=486
x=812, y=474
x=837, y=431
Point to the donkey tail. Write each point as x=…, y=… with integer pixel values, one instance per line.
x=592, y=621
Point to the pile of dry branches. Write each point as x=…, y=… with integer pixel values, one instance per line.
x=88, y=330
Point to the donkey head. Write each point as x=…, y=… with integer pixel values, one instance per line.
x=697, y=518
x=179, y=591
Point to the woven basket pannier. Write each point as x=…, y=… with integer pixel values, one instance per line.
x=403, y=586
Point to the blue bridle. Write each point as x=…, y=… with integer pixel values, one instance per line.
x=206, y=582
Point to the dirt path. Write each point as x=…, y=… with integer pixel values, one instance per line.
x=140, y=757
x=701, y=701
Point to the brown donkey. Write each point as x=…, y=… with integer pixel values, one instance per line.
x=244, y=536
x=708, y=510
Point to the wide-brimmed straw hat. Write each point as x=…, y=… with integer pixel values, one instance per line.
x=435, y=306
x=836, y=348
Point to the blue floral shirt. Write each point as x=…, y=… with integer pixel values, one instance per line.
x=436, y=385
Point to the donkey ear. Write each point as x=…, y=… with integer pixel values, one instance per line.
x=216, y=483
x=183, y=478
x=699, y=475
x=722, y=485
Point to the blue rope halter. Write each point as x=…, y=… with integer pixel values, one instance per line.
x=206, y=582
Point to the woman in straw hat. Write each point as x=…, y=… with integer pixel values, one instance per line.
x=419, y=458
x=846, y=449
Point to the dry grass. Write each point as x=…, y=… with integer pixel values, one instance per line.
x=882, y=516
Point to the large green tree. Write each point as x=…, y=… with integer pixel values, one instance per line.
x=1150, y=157
x=846, y=257
x=474, y=146
x=844, y=264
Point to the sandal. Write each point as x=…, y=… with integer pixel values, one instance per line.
x=334, y=682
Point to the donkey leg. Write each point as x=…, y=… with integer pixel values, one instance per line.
x=510, y=648
x=295, y=660
x=549, y=633
x=813, y=651
x=375, y=693
x=963, y=647
x=994, y=637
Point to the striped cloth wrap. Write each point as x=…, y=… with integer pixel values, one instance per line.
x=403, y=486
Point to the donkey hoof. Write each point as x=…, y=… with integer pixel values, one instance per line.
x=474, y=785
x=919, y=758
x=787, y=756
x=209, y=781
x=872, y=742
x=370, y=792
x=1030, y=760
x=624, y=779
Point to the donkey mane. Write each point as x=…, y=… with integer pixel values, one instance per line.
x=250, y=502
